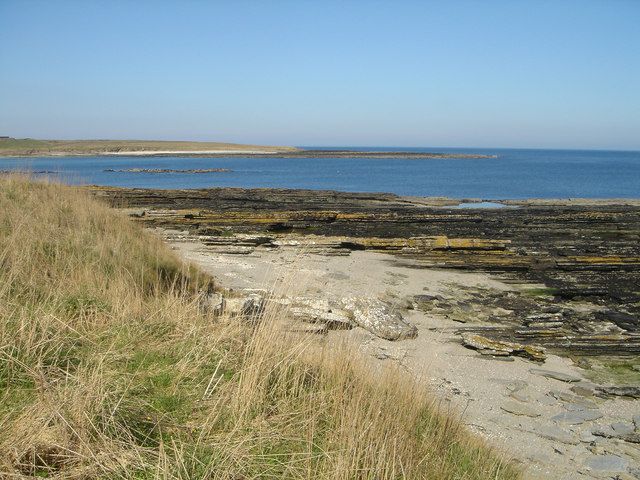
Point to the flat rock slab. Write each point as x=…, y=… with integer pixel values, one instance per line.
x=563, y=377
x=577, y=417
x=519, y=408
x=488, y=346
x=607, y=463
x=557, y=434
x=619, y=391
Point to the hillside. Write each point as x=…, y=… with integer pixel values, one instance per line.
x=31, y=147
x=112, y=369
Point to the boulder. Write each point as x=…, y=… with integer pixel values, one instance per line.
x=212, y=303
x=379, y=318
x=251, y=306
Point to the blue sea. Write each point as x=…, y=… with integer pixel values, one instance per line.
x=513, y=174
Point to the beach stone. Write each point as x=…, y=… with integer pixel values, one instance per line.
x=573, y=399
x=518, y=408
x=335, y=319
x=577, y=417
x=636, y=421
x=622, y=428
x=522, y=396
x=577, y=407
x=607, y=463
x=619, y=391
x=563, y=377
x=587, y=437
x=379, y=318
x=584, y=389
x=487, y=346
x=250, y=306
x=557, y=434
x=213, y=303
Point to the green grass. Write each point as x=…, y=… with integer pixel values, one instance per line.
x=31, y=147
x=111, y=370
x=612, y=370
x=541, y=292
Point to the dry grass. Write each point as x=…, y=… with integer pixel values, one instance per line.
x=29, y=146
x=108, y=369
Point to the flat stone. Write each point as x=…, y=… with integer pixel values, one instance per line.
x=521, y=396
x=636, y=421
x=584, y=389
x=587, y=437
x=518, y=408
x=607, y=463
x=622, y=428
x=317, y=329
x=577, y=417
x=573, y=399
x=619, y=391
x=488, y=346
x=621, y=434
x=556, y=434
x=563, y=377
x=334, y=319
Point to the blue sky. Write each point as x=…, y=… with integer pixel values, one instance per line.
x=555, y=73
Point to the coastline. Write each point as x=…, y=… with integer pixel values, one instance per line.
x=251, y=153
x=524, y=317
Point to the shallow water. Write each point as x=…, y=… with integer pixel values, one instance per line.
x=514, y=174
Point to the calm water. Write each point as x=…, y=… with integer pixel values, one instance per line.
x=514, y=174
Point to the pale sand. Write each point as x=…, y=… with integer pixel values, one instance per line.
x=476, y=387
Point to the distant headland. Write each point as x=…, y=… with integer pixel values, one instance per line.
x=27, y=147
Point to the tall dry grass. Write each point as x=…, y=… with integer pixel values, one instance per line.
x=109, y=369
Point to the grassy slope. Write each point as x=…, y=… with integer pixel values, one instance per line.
x=27, y=146
x=110, y=370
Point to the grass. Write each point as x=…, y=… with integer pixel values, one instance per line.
x=541, y=292
x=29, y=146
x=616, y=370
x=109, y=369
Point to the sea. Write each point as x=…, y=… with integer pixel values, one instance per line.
x=512, y=174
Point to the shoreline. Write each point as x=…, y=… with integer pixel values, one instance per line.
x=254, y=153
x=514, y=312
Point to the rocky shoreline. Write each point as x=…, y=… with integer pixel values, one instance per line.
x=525, y=318
x=582, y=254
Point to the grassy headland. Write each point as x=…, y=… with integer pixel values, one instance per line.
x=31, y=147
x=110, y=369
x=27, y=147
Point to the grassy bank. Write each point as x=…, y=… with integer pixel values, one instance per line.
x=109, y=369
x=31, y=147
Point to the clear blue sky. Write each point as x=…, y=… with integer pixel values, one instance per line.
x=554, y=73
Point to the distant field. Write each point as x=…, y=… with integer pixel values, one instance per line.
x=30, y=147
